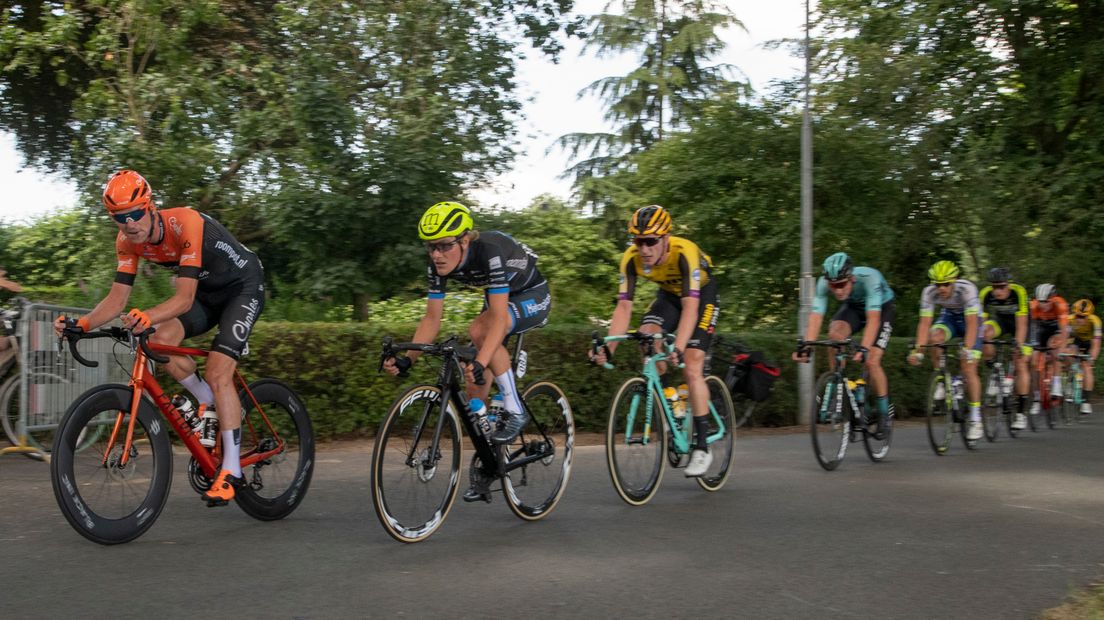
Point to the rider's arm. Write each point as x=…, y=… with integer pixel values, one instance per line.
x=176, y=305
x=429, y=325
x=970, y=340
x=687, y=321
x=1062, y=334
x=622, y=314
x=109, y=307
x=499, y=309
x=619, y=322
x=922, y=329
x=1094, y=350
x=812, y=328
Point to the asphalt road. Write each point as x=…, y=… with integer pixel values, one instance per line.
x=1002, y=532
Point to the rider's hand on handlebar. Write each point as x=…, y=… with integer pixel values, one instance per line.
x=135, y=320
x=860, y=354
x=395, y=366
x=915, y=358
x=970, y=355
x=801, y=354
x=473, y=373
x=600, y=357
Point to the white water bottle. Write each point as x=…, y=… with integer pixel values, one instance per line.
x=187, y=411
x=1006, y=385
x=210, y=427
x=479, y=412
x=495, y=411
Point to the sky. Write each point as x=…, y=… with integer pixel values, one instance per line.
x=552, y=109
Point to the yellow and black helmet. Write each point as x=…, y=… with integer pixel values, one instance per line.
x=650, y=220
x=444, y=219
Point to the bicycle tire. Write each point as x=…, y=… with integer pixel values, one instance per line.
x=878, y=449
x=1070, y=399
x=1034, y=421
x=9, y=404
x=992, y=403
x=413, y=515
x=635, y=448
x=940, y=417
x=276, y=486
x=723, y=449
x=830, y=421
x=113, y=504
x=532, y=491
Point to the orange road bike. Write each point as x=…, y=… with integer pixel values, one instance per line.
x=112, y=490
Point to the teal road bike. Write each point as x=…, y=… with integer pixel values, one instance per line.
x=644, y=433
x=1073, y=386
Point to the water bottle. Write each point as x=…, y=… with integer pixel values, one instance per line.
x=494, y=412
x=678, y=406
x=187, y=411
x=210, y=427
x=860, y=392
x=1007, y=384
x=479, y=412
x=957, y=389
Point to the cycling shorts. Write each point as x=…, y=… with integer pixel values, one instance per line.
x=954, y=325
x=855, y=317
x=528, y=309
x=1002, y=324
x=1083, y=346
x=234, y=310
x=666, y=310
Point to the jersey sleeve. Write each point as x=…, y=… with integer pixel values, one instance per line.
x=876, y=292
x=190, y=241
x=690, y=261
x=927, y=303
x=1095, y=326
x=820, y=296
x=435, y=284
x=627, y=277
x=127, y=266
x=1021, y=309
x=970, y=303
x=1062, y=311
x=982, y=296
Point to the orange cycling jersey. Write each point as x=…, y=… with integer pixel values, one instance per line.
x=1058, y=314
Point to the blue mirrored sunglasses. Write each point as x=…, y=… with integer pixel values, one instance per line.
x=129, y=216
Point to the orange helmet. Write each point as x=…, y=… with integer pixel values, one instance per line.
x=127, y=190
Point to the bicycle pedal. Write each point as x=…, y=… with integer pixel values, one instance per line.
x=213, y=503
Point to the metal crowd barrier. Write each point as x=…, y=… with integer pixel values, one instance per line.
x=50, y=382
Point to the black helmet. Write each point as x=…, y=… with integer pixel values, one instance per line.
x=1000, y=274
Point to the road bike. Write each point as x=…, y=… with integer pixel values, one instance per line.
x=638, y=446
x=946, y=403
x=996, y=391
x=1073, y=384
x=417, y=455
x=840, y=411
x=112, y=490
x=1041, y=375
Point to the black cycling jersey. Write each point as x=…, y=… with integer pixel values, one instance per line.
x=495, y=261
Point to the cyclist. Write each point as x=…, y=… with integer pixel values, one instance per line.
x=1085, y=328
x=1004, y=312
x=958, y=299
x=1049, y=325
x=516, y=300
x=867, y=304
x=218, y=282
x=686, y=305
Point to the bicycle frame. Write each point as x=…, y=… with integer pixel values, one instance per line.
x=143, y=381
x=680, y=434
x=841, y=357
x=948, y=378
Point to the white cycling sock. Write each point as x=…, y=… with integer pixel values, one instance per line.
x=231, y=451
x=198, y=388
x=508, y=389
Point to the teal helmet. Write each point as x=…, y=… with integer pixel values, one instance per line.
x=837, y=266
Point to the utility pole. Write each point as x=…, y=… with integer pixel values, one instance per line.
x=805, y=371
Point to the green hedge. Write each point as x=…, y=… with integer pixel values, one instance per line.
x=333, y=367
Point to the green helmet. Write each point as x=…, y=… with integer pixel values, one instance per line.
x=444, y=219
x=942, y=272
x=837, y=266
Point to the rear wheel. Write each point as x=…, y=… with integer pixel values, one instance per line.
x=635, y=443
x=992, y=402
x=274, y=421
x=940, y=414
x=533, y=490
x=414, y=480
x=105, y=500
x=1071, y=400
x=49, y=400
x=830, y=421
x=721, y=411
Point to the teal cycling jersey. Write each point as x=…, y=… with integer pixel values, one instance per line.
x=869, y=292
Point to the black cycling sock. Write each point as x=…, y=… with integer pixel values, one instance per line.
x=701, y=427
x=1021, y=403
x=1086, y=396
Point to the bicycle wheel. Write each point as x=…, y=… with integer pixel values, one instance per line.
x=9, y=409
x=51, y=399
x=635, y=443
x=877, y=449
x=830, y=421
x=274, y=417
x=1070, y=400
x=723, y=449
x=1042, y=386
x=940, y=414
x=992, y=403
x=414, y=482
x=533, y=490
x=105, y=501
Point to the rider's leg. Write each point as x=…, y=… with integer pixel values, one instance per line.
x=181, y=367
x=938, y=334
x=837, y=330
x=1086, y=386
x=989, y=332
x=220, y=376
x=694, y=360
x=1055, y=369
x=500, y=359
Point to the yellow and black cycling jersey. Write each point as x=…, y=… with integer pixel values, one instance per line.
x=684, y=271
x=1015, y=304
x=1084, y=327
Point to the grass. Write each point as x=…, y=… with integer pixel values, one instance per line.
x=1085, y=605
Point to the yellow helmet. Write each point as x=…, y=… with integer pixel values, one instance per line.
x=650, y=220
x=444, y=219
x=1083, y=307
x=942, y=272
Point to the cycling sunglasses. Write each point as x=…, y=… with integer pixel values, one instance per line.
x=443, y=246
x=838, y=284
x=129, y=216
x=646, y=242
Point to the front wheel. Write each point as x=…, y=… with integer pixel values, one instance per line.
x=635, y=443
x=940, y=414
x=721, y=414
x=105, y=500
x=992, y=402
x=274, y=422
x=548, y=443
x=416, y=472
x=830, y=421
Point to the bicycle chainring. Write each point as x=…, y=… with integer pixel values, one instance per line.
x=199, y=481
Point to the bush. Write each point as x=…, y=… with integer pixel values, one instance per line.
x=333, y=366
